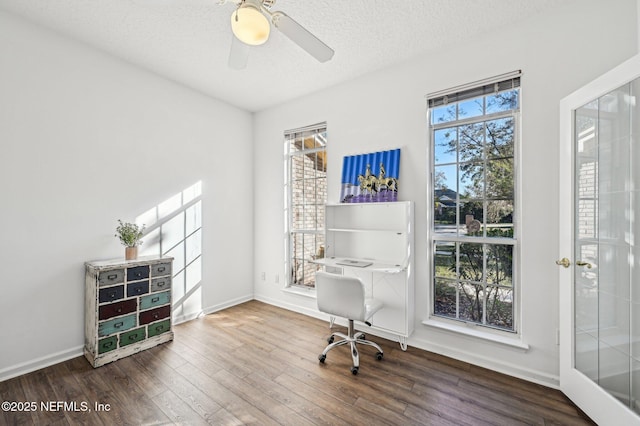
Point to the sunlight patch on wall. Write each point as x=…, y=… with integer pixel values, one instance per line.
x=174, y=228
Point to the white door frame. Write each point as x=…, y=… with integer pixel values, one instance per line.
x=598, y=404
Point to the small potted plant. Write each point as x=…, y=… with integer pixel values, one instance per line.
x=129, y=235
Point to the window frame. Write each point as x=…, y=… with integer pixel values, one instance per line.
x=486, y=241
x=289, y=137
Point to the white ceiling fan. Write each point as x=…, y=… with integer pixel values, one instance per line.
x=251, y=27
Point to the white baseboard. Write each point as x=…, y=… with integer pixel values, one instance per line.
x=46, y=361
x=291, y=307
x=227, y=304
x=179, y=319
x=38, y=363
x=534, y=376
x=518, y=371
x=314, y=313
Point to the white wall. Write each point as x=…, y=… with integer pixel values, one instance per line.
x=557, y=54
x=86, y=139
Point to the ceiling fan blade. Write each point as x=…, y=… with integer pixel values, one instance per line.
x=303, y=38
x=239, y=54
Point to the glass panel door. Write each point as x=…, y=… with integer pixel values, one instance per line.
x=606, y=287
x=599, y=231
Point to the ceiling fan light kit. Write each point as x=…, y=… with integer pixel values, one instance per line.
x=250, y=25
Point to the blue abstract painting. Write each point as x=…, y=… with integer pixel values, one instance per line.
x=370, y=178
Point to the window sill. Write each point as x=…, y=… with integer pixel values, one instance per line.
x=473, y=331
x=306, y=292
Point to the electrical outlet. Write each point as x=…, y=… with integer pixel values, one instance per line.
x=263, y=276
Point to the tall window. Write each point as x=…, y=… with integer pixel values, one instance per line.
x=306, y=189
x=474, y=139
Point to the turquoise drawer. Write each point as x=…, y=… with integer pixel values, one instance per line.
x=157, y=299
x=116, y=325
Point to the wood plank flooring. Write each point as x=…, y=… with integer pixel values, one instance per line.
x=257, y=364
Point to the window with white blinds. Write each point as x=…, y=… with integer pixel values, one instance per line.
x=474, y=138
x=306, y=194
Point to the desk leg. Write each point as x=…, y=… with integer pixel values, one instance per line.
x=403, y=342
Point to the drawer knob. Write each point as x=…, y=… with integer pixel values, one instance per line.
x=112, y=294
x=118, y=324
x=161, y=284
x=119, y=310
x=107, y=345
x=133, y=337
x=160, y=327
x=155, y=299
x=161, y=269
x=155, y=316
x=112, y=277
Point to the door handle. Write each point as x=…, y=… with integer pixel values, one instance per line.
x=581, y=263
x=563, y=262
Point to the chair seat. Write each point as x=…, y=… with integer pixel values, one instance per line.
x=344, y=296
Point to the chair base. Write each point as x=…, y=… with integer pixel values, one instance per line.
x=353, y=339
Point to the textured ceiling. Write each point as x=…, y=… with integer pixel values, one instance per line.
x=188, y=41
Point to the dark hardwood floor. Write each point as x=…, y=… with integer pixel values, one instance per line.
x=257, y=364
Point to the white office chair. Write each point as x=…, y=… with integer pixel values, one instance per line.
x=344, y=297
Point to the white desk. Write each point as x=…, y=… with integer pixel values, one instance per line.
x=382, y=234
x=375, y=266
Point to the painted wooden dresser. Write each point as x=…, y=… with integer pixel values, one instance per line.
x=127, y=308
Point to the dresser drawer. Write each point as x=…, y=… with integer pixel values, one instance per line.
x=107, y=344
x=161, y=269
x=132, y=336
x=153, y=300
x=159, y=328
x=159, y=284
x=138, y=288
x=114, y=276
x=116, y=325
x=155, y=314
x=138, y=273
x=111, y=294
x=116, y=309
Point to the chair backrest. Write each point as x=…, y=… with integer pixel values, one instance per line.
x=340, y=296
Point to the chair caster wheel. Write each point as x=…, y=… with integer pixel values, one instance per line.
x=354, y=370
x=361, y=337
x=379, y=356
x=330, y=340
x=321, y=358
